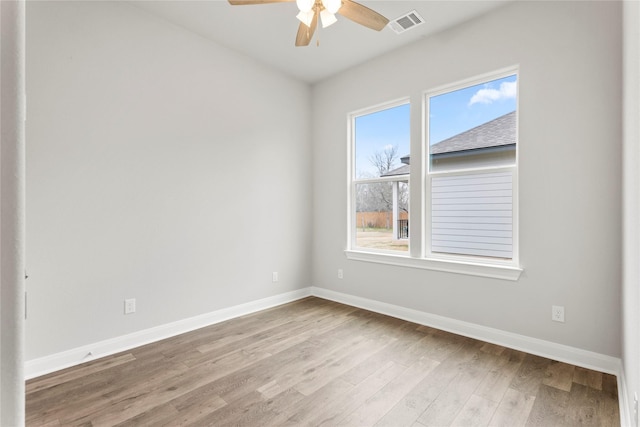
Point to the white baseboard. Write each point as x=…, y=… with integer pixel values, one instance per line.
x=551, y=350
x=624, y=399
x=55, y=362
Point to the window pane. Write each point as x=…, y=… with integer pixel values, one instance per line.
x=382, y=143
x=472, y=214
x=382, y=215
x=469, y=128
x=381, y=150
x=474, y=126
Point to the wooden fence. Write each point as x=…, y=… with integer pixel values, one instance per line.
x=377, y=219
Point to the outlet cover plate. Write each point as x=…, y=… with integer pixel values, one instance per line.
x=130, y=306
x=557, y=313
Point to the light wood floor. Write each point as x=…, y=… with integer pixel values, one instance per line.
x=316, y=362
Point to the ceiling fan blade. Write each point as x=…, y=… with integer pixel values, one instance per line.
x=306, y=33
x=362, y=15
x=243, y=2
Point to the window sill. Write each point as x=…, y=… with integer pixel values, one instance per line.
x=473, y=269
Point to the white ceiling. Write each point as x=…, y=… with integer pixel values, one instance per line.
x=267, y=32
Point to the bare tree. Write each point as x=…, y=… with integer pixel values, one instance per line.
x=385, y=160
x=378, y=197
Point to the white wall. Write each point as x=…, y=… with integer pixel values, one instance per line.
x=161, y=167
x=570, y=161
x=631, y=206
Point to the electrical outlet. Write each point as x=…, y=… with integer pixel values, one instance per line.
x=340, y=274
x=557, y=313
x=130, y=306
x=274, y=276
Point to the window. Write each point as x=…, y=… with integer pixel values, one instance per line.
x=471, y=169
x=466, y=218
x=380, y=178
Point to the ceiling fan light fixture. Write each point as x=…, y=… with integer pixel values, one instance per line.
x=306, y=17
x=332, y=5
x=327, y=18
x=312, y=11
x=305, y=5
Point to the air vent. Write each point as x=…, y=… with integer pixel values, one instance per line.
x=406, y=22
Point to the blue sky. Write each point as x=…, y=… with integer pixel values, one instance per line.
x=464, y=109
x=450, y=114
x=378, y=130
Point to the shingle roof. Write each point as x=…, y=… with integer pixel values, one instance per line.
x=402, y=170
x=497, y=132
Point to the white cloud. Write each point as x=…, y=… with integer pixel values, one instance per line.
x=487, y=95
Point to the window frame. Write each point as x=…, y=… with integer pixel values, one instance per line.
x=420, y=255
x=353, y=181
x=428, y=175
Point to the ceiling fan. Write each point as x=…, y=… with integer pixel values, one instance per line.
x=311, y=11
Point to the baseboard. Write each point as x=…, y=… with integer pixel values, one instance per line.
x=551, y=350
x=55, y=362
x=626, y=417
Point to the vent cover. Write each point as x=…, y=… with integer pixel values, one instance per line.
x=406, y=22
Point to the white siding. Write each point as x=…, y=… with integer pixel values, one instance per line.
x=473, y=214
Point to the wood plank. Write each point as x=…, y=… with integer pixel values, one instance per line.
x=323, y=373
x=79, y=398
x=155, y=416
x=494, y=349
x=70, y=374
x=529, y=377
x=135, y=400
x=476, y=412
x=608, y=409
x=194, y=407
x=559, y=375
x=513, y=410
x=588, y=407
x=587, y=377
x=453, y=398
x=501, y=375
x=315, y=403
x=549, y=407
x=47, y=423
x=379, y=404
x=358, y=395
x=420, y=398
x=252, y=410
x=289, y=372
x=440, y=345
x=370, y=366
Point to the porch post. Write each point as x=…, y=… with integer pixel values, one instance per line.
x=395, y=217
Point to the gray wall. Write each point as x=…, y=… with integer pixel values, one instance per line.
x=569, y=172
x=161, y=167
x=631, y=205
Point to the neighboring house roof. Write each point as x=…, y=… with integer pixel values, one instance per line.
x=498, y=133
x=402, y=170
